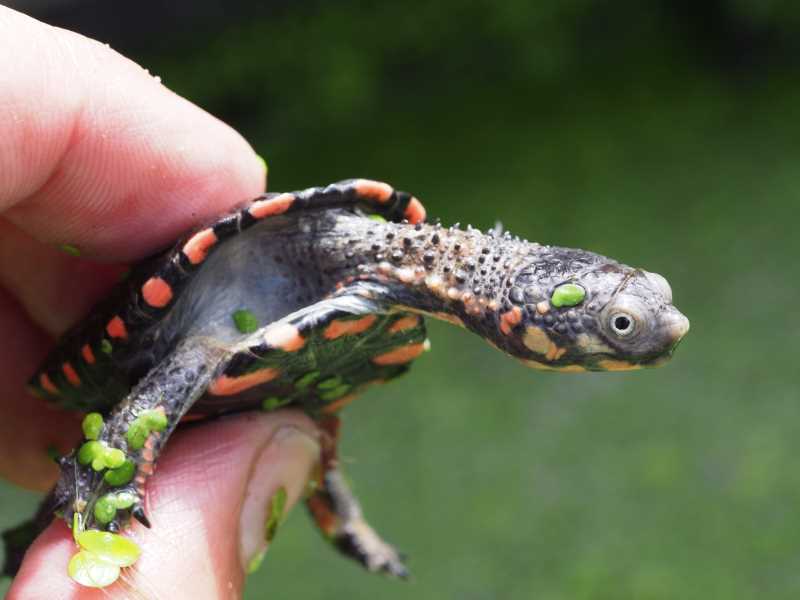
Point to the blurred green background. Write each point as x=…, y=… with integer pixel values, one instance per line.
x=664, y=134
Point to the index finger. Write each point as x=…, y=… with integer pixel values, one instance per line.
x=95, y=152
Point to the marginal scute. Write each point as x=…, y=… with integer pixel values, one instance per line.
x=116, y=328
x=47, y=384
x=261, y=209
x=284, y=336
x=71, y=374
x=197, y=247
x=157, y=292
x=374, y=190
x=415, y=212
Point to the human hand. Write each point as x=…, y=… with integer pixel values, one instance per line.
x=97, y=154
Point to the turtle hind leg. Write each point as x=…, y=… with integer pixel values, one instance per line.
x=103, y=481
x=338, y=515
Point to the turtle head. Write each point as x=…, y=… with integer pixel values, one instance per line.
x=578, y=311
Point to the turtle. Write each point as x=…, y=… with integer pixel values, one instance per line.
x=303, y=300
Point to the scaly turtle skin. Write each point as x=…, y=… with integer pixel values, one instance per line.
x=304, y=299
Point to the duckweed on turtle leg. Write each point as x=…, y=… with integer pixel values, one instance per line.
x=97, y=564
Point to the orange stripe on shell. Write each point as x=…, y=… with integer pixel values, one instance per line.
x=71, y=374
x=273, y=206
x=399, y=356
x=374, y=190
x=116, y=328
x=47, y=383
x=509, y=319
x=338, y=328
x=415, y=212
x=284, y=336
x=229, y=386
x=88, y=355
x=404, y=323
x=339, y=404
x=157, y=292
x=196, y=249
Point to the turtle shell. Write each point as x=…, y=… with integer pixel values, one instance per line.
x=98, y=361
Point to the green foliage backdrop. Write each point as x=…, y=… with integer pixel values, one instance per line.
x=660, y=134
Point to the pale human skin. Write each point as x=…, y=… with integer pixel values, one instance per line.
x=96, y=153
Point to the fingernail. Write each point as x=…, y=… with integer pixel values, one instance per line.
x=278, y=479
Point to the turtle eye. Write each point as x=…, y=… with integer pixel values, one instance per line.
x=622, y=324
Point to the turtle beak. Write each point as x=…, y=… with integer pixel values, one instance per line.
x=674, y=325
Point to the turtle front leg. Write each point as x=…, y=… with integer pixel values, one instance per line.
x=103, y=482
x=338, y=515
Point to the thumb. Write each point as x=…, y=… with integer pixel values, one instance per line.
x=213, y=503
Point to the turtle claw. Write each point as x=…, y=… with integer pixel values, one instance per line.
x=358, y=540
x=395, y=567
x=138, y=514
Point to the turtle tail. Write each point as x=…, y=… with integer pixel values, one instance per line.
x=17, y=540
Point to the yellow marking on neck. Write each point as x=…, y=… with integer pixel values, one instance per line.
x=611, y=364
x=536, y=340
x=590, y=344
x=535, y=364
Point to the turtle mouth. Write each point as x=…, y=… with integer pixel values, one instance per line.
x=664, y=357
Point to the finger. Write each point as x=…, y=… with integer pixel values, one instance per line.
x=208, y=505
x=95, y=153
x=28, y=426
x=55, y=288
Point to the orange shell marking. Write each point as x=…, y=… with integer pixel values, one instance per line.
x=116, y=328
x=399, y=356
x=415, y=212
x=509, y=319
x=47, y=383
x=374, y=190
x=88, y=355
x=71, y=374
x=268, y=208
x=157, y=292
x=228, y=386
x=339, y=404
x=196, y=249
x=338, y=328
x=404, y=323
x=286, y=337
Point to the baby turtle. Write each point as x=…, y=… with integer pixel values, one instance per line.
x=302, y=300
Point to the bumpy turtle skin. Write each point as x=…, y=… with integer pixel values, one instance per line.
x=337, y=300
